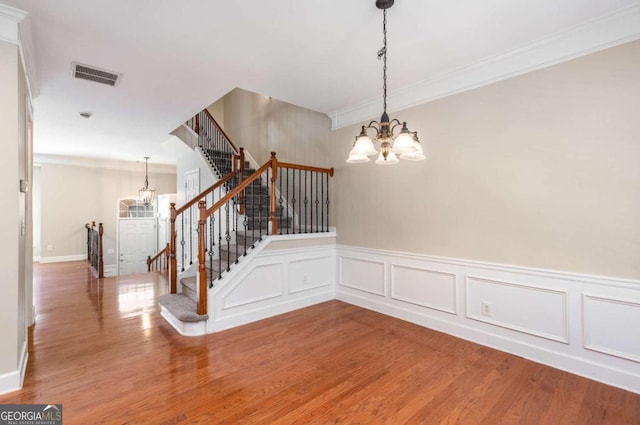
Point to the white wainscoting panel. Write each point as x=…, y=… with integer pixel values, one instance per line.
x=310, y=273
x=612, y=326
x=269, y=282
x=424, y=287
x=587, y=325
x=363, y=275
x=529, y=309
x=261, y=283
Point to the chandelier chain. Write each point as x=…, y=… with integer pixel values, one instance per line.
x=384, y=60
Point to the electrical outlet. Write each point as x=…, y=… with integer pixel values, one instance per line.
x=305, y=279
x=49, y=247
x=485, y=308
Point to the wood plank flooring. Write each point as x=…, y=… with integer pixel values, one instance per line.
x=102, y=350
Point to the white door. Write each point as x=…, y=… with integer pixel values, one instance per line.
x=137, y=241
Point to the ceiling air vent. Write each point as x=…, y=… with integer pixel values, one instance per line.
x=97, y=75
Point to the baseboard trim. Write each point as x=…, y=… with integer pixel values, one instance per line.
x=110, y=270
x=63, y=258
x=13, y=381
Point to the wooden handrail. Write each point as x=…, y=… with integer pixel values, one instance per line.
x=206, y=192
x=239, y=188
x=150, y=259
x=221, y=131
x=306, y=168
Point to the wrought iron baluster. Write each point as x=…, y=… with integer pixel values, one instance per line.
x=317, y=201
x=302, y=218
x=212, y=223
x=182, y=241
x=220, y=243
x=280, y=200
x=293, y=200
x=191, y=235
x=228, y=235
x=322, y=207
x=327, y=201
x=306, y=200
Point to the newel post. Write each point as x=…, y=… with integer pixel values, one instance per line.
x=100, y=257
x=202, y=267
x=272, y=194
x=167, y=256
x=173, y=264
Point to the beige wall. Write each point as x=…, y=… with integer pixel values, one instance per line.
x=261, y=125
x=74, y=195
x=12, y=250
x=216, y=110
x=539, y=170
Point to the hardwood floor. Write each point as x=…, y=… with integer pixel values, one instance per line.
x=103, y=351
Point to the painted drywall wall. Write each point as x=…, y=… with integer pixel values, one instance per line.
x=72, y=195
x=13, y=319
x=216, y=110
x=539, y=170
x=261, y=125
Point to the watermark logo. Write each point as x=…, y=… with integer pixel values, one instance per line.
x=30, y=414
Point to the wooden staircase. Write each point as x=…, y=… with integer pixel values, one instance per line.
x=235, y=214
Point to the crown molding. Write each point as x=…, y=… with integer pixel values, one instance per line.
x=15, y=28
x=10, y=17
x=606, y=31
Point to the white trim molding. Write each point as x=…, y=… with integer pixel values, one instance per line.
x=574, y=322
x=609, y=326
x=13, y=381
x=63, y=258
x=607, y=31
x=15, y=28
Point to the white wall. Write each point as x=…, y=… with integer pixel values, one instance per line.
x=539, y=170
x=15, y=217
x=74, y=192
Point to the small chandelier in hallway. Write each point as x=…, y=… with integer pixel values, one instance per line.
x=405, y=143
x=145, y=194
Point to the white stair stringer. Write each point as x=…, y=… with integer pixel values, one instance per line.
x=281, y=274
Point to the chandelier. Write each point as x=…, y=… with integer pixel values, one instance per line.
x=145, y=194
x=404, y=143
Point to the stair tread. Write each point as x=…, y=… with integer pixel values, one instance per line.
x=182, y=307
x=189, y=282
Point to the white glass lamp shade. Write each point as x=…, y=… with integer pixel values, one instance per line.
x=391, y=159
x=364, y=145
x=356, y=157
x=403, y=142
x=417, y=155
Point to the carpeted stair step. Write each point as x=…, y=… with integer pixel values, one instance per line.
x=182, y=307
x=189, y=287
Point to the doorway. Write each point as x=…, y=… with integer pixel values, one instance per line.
x=136, y=236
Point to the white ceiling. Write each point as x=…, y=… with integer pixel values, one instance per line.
x=177, y=57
